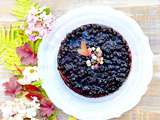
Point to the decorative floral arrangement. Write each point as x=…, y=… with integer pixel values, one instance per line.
x=18, y=53
x=94, y=53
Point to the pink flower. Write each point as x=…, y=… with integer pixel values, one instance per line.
x=12, y=87
x=46, y=108
x=26, y=54
x=39, y=20
x=39, y=24
x=32, y=38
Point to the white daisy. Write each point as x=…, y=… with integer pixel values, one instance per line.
x=30, y=75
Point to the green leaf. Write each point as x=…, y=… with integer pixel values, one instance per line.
x=35, y=45
x=11, y=38
x=22, y=8
x=47, y=10
x=37, y=83
x=20, y=76
x=71, y=118
x=53, y=116
x=43, y=92
x=20, y=95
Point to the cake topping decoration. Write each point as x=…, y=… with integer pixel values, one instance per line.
x=94, y=60
x=83, y=50
x=95, y=55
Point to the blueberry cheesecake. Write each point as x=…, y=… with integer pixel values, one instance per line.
x=94, y=60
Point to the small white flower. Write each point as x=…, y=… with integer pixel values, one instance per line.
x=101, y=58
x=92, y=66
x=33, y=10
x=93, y=48
x=18, y=109
x=30, y=75
x=31, y=72
x=42, y=16
x=94, y=57
x=101, y=62
x=24, y=81
x=88, y=62
x=98, y=49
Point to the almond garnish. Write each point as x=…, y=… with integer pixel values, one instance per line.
x=84, y=50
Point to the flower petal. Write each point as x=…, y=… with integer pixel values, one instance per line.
x=46, y=107
x=28, y=57
x=12, y=87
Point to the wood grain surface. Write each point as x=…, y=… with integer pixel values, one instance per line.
x=146, y=13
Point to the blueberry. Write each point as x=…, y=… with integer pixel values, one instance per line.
x=84, y=35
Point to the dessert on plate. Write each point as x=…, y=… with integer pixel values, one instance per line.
x=97, y=60
x=94, y=60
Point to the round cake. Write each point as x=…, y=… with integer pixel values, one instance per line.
x=94, y=60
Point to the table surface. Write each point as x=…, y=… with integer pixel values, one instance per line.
x=146, y=13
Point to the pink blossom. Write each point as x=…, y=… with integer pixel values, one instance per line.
x=12, y=87
x=32, y=38
x=26, y=54
x=39, y=21
x=30, y=60
x=46, y=107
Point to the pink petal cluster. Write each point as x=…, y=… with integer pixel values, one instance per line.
x=39, y=23
x=28, y=57
x=12, y=87
x=46, y=108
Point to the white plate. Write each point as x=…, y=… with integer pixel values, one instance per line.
x=105, y=107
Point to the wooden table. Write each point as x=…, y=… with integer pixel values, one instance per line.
x=147, y=14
